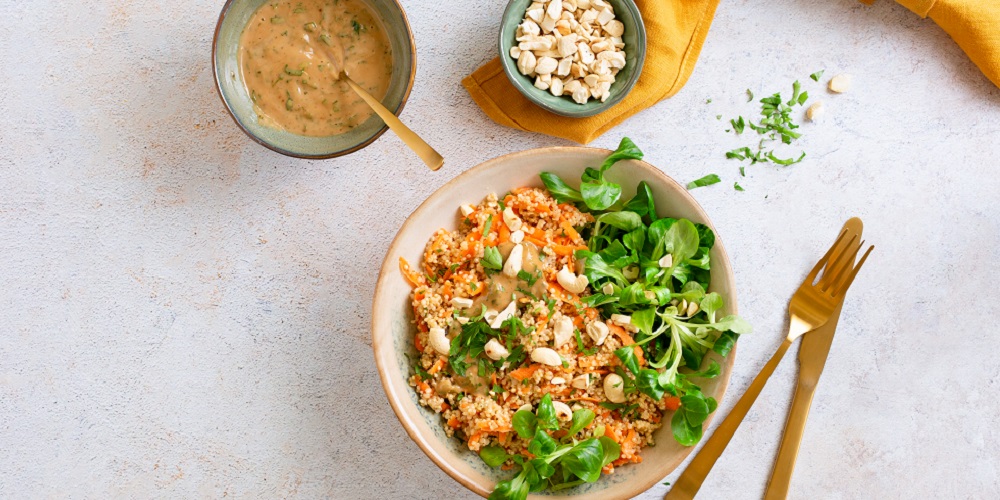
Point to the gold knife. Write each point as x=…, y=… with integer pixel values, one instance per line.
x=812, y=358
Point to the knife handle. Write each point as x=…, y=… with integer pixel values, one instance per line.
x=781, y=474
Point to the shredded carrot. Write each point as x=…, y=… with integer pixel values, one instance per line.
x=524, y=372
x=423, y=386
x=418, y=343
x=412, y=277
x=570, y=231
x=436, y=247
x=627, y=340
x=504, y=235
x=672, y=403
x=610, y=432
x=591, y=313
x=567, y=250
x=506, y=466
x=535, y=241
x=503, y=437
x=446, y=290
x=454, y=423
x=475, y=436
x=560, y=433
x=436, y=367
x=585, y=398
x=519, y=190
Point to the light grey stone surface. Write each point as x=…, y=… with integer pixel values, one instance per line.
x=186, y=314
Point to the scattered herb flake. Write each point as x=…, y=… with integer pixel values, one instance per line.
x=708, y=180
x=817, y=75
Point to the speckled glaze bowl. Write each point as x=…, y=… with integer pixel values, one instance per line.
x=392, y=316
x=635, y=55
x=229, y=81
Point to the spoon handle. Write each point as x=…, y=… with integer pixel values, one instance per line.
x=426, y=153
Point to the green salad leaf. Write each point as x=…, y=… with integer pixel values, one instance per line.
x=556, y=465
x=654, y=269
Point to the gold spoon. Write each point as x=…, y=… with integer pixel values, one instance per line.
x=432, y=158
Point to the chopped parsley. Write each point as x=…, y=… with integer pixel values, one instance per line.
x=492, y=260
x=775, y=124
x=708, y=180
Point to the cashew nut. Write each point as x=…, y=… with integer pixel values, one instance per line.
x=582, y=381
x=598, y=331
x=840, y=83
x=614, y=28
x=816, y=111
x=461, y=303
x=563, y=330
x=513, y=264
x=666, y=261
x=526, y=61
x=614, y=388
x=571, y=282
x=439, y=341
x=518, y=236
x=545, y=66
x=504, y=315
x=546, y=356
x=495, y=350
x=554, y=9
x=692, y=309
x=563, y=412
x=624, y=321
x=511, y=219
x=466, y=209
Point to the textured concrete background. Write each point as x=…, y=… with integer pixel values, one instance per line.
x=186, y=314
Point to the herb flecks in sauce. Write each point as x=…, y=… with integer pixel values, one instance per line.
x=291, y=80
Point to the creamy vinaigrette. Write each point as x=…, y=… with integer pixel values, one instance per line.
x=289, y=55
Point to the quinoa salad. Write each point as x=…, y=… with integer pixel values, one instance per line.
x=553, y=336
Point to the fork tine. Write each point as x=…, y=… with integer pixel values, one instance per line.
x=842, y=287
x=836, y=270
x=824, y=259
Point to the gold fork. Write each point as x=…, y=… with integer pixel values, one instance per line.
x=811, y=307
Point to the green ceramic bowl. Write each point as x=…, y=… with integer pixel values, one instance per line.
x=635, y=54
x=235, y=16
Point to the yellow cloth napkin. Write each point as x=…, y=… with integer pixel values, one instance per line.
x=675, y=32
x=973, y=24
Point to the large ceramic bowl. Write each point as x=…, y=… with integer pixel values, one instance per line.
x=635, y=55
x=229, y=81
x=392, y=317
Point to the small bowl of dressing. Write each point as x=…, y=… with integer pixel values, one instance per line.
x=274, y=72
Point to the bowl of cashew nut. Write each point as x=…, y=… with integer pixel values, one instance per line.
x=573, y=58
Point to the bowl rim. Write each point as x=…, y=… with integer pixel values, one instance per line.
x=278, y=149
x=528, y=90
x=388, y=267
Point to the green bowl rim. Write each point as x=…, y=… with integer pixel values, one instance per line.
x=528, y=91
x=277, y=149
